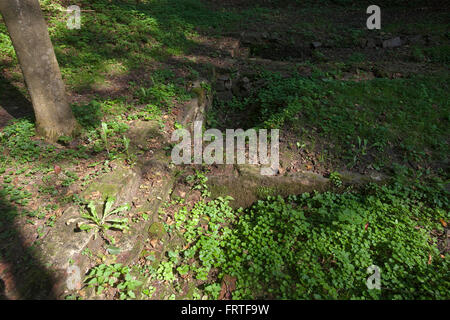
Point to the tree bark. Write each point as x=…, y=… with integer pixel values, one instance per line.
x=29, y=34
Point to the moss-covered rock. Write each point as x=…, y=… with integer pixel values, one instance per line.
x=157, y=231
x=63, y=244
x=251, y=186
x=140, y=132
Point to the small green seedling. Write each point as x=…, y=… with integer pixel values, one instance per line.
x=335, y=179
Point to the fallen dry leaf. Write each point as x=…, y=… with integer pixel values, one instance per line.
x=153, y=242
x=443, y=222
x=429, y=258
x=95, y=195
x=57, y=169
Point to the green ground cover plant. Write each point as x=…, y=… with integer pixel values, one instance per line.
x=115, y=276
x=320, y=245
x=408, y=115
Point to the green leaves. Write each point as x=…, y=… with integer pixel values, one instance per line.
x=183, y=269
x=305, y=247
x=317, y=245
x=165, y=271
x=17, y=140
x=115, y=276
x=103, y=222
x=213, y=290
x=198, y=182
x=149, y=292
x=335, y=179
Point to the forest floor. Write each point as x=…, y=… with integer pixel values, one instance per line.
x=351, y=104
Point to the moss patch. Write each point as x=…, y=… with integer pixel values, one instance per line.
x=157, y=231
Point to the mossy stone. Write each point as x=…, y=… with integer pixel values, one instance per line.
x=157, y=231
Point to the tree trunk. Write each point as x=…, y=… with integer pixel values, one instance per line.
x=31, y=41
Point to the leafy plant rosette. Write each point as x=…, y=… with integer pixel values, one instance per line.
x=106, y=221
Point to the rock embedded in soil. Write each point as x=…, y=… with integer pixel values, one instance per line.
x=64, y=243
x=157, y=231
x=251, y=186
x=316, y=44
x=392, y=43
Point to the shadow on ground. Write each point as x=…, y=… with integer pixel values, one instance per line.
x=22, y=276
x=13, y=104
